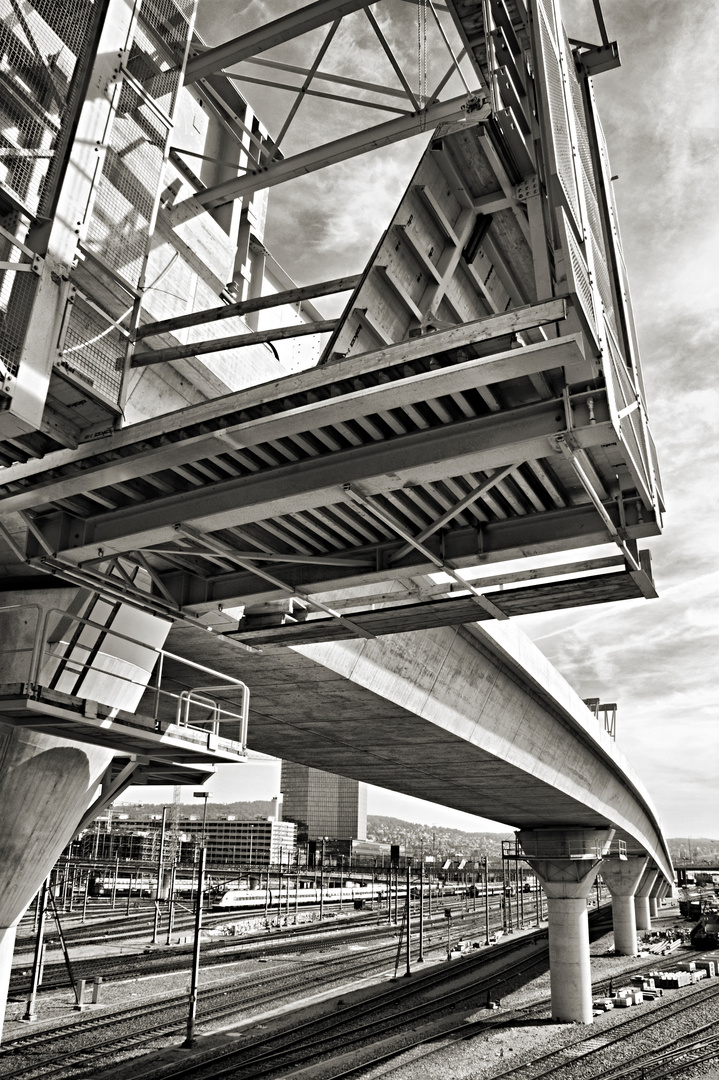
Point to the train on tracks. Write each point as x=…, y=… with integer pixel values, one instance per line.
x=235, y=899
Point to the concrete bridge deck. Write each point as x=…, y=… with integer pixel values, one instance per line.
x=459, y=716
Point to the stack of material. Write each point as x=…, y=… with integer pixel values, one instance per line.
x=671, y=980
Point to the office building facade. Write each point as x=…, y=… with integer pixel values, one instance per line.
x=322, y=804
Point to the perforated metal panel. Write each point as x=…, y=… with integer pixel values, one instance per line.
x=41, y=44
x=122, y=210
x=17, y=292
x=578, y=276
x=631, y=425
x=561, y=136
x=158, y=48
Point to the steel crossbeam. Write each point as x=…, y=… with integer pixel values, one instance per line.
x=269, y=35
x=360, y=142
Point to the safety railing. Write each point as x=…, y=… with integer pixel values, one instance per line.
x=608, y=714
x=63, y=655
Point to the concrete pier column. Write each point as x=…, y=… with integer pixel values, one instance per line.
x=622, y=876
x=655, y=896
x=46, y=785
x=566, y=861
x=641, y=898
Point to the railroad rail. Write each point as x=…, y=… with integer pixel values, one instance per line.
x=215, y=1007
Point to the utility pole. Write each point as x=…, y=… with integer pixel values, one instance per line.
x=409, y=969
x=160, y=857
x=420, y=958
x=30, y=1013
x=192, y=1014
x=203, y=795
x=322, y=881
x=486, y=900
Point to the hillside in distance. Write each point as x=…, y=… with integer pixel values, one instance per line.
x=416, y=839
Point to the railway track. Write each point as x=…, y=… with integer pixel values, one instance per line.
x=167, y=1017
x=565, y=1062
x=672, y=1058
x=244, y=947
x=388, y=1014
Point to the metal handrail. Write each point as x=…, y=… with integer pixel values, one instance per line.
x=42, y=642
x=187, y=696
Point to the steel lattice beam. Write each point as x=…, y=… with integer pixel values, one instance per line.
x=360, y=142
x=268, y=35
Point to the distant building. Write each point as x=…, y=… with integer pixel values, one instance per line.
x=322, y=804
x=229, y=842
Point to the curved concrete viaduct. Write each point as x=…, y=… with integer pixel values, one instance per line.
x=480, y=722
x=471, y=719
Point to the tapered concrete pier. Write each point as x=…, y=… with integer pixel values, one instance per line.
x=622, y=876
x=567, y=861
x=74, y=670
x=641, y=898
x=46, y=785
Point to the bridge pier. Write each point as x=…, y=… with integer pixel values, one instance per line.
x=567, y=861
x=50, y=783
x=46, y=785
x=658, y=891
x=622, y=876
x=641, y=898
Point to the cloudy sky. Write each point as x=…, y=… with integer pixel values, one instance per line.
x=659, y=660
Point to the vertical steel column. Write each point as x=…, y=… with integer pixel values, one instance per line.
x=171, y=911
x=160, y=857
x=420, y=958
x=486, y=900
x=36, y=978
x=114, y=881
x=87, y=893
x=409, y=968
x=192, y=1014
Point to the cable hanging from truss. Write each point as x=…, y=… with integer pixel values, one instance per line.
x=422, y=62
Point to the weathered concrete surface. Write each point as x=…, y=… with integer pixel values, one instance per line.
x=46, y=784
x=477, y=721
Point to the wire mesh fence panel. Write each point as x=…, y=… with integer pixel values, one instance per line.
x=17, y=292
x=93, y=348
x=41, y=46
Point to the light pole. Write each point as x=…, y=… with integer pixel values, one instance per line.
x=420, y=958
x=203, y=795
x=190, y=1040
x=158, y=890
x=322, y=880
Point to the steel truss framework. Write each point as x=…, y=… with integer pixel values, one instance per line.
x=479, y=400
